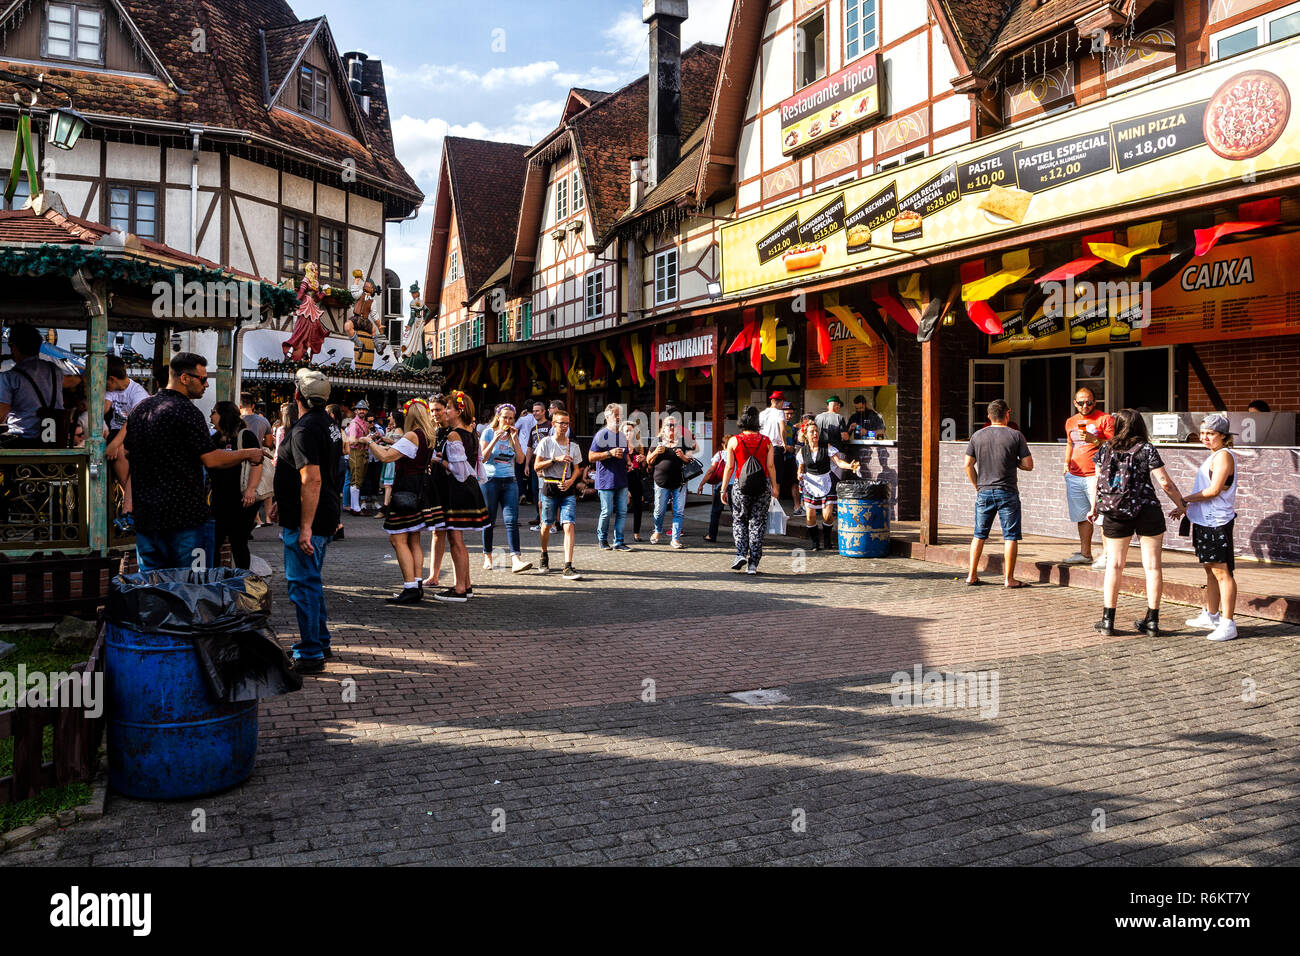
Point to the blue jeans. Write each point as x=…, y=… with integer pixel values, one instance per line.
x=176, y=549
x=503, y=492
x=612, y=502
x=566, y=509
x=1005, y=504
x=302, y=574
x=678, y=496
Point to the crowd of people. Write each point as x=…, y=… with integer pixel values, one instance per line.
x=1111, y=471
x=435, y=465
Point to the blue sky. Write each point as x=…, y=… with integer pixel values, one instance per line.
x=492, y=69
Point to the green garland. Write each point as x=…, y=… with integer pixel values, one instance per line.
x=50, y=259
x=400, y=374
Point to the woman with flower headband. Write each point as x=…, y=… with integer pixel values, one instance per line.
x=414, y=505
x=456, y=468
x=308, y=329
x=501, y=450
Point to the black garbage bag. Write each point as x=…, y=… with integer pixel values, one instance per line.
x=861, y=489
x=225, y=611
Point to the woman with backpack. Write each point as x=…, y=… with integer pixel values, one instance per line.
x=818, y=474
x=1126, y=499
x=413, y=506
x=1211, y=509
x=234, y=490
x=669, y=455
x=751, y=460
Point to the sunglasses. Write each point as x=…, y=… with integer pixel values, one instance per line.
x=197, y=378
x=1085, y=404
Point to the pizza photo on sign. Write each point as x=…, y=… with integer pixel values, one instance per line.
x=907, y=221
x=803, y=257
x=1247, y=114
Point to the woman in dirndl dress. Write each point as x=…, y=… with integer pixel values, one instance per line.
x=456, y=470
x=414, y=505
x=817, y=479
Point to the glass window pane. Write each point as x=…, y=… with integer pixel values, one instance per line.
x=60, y=13
x=145, y=197
x=1228, y=46
x=1283, y=27
x=88, y=16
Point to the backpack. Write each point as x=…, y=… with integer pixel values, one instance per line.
x=752, y=480
x=1118, y=491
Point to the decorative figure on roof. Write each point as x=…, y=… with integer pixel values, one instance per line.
x=414, y=345
x=308, y=329
x=367, y=325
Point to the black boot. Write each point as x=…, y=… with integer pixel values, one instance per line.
x=815, y=533
x=832, y=538
x=1107, y=623
x=1150, y=625
x=406, y=596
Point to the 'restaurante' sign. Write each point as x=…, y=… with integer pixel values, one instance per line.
x=831, y=105
x=695, y=348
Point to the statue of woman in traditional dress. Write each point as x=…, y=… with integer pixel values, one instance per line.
x=308, y=329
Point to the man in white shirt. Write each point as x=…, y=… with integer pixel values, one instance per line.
x=525, y=425
x=122, y=396
x=771, y=423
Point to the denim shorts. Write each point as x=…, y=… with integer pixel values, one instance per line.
x=567, y=507
x=1005, y=504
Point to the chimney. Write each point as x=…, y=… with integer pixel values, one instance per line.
x=665, y=81
x=355, y=62
x=637, y=189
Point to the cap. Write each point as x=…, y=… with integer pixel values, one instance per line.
x=363, y=404
x=786, y=405
x=776, y=397
x=312, y=384
x=835, y=399
x=1217, y=423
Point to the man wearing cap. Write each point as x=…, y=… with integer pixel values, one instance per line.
x=169, y=445
x=358, y=455
x=831, y=424
x=308, y=497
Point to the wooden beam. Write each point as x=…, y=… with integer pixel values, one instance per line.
x=930, y=442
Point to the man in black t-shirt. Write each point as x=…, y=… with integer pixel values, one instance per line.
x=168, y=445
x=993, y=457
x=308, y=504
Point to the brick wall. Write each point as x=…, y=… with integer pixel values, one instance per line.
x=880, y=462
x=1268, y=499
x=1246, y=369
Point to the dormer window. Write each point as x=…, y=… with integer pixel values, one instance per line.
x=74, y=31
x=314, y=92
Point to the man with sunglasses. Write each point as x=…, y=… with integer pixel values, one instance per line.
x=1085, y=432
x=168, y=445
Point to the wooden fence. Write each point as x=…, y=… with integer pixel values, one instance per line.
x=51, y=586
x=76, y=734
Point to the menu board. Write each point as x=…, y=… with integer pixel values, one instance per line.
x=1238, y=291
x=1087, y=324
x=853, y=364
x=1211, y=125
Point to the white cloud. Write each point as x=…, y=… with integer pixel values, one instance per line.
x=529, y=75
x=418, y=142
x=629, y=39
x=443, y=77
x=595, y=79
x=542, y=115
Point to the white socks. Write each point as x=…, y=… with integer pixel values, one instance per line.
x=411, y=584
x=356, y=499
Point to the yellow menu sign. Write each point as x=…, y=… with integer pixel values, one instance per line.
x=1212, y=125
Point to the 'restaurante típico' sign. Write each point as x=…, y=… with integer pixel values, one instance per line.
x=1228, y=122
x=828, y=107
x=695, y=348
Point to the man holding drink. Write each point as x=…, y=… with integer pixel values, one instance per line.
x=1085, y=432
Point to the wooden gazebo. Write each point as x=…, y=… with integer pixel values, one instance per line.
x=59, y=271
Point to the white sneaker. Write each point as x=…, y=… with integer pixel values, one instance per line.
x=487, y=562
x=1205, y=621
x=518, y=564
x=1076, y=558
x=1226, y=631
x=1099, y=564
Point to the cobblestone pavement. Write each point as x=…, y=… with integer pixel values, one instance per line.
x=515, y=729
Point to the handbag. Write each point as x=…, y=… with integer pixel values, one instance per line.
x=714, y=475
x=691, y=469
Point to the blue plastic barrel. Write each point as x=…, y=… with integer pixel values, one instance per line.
x=862, y=518
x=167, y=738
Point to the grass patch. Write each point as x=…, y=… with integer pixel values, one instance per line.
x=33, y=651
x=54, y=800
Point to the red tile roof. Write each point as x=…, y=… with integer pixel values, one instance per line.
x=975, y=23
x=225, y=91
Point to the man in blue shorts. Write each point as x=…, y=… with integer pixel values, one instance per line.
x=993, y=457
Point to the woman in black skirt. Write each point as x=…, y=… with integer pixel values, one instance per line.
x=456, y=469
x=233, y=508
x=414, y=504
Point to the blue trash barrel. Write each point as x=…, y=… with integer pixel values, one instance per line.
x=862, y=518
x=167, y=738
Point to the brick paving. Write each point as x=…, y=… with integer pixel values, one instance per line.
x=524, y=709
